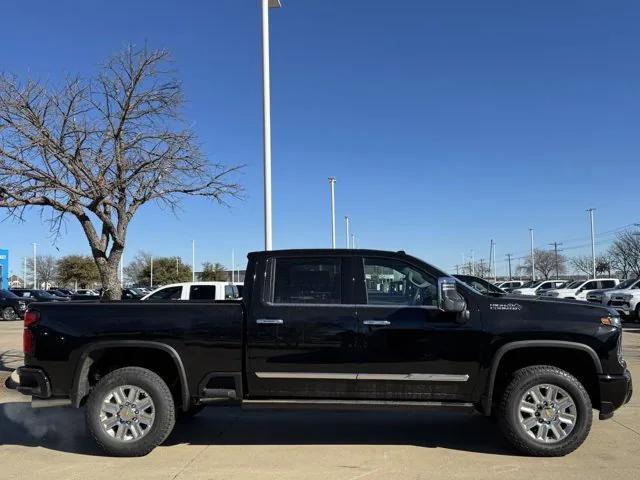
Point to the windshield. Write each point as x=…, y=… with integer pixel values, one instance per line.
x=43, y=294
x=574, y=284
x=7, y=294
x=480, y=284
x=627, y=283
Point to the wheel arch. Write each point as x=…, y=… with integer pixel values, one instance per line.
x=487, y=399
x=81, y=387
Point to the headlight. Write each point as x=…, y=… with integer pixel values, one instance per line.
x=626, y=297
x=611, y=321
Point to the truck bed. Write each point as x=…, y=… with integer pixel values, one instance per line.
x=203, y=334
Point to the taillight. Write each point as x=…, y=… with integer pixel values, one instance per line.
x=30, y=318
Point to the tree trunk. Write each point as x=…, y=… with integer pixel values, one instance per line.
x=108, y=268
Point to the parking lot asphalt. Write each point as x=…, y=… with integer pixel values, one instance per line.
x=230, y=443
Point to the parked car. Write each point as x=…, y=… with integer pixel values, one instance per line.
x=87, y=291
x=537, y=287
x=194, y=291
x=510, y=285
x=579, y=289
x=480, y=284
x=627, y=303
x=58, y=292
x=12, y=307
x=38, y=295
x=127, y=294
x=604, y=296
x=342, y=328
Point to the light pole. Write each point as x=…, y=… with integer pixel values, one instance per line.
x=533, y=257
x=353, y=240
x=193, y=260
x=332, y=185
x=346, y=226
x=593, y=243
x=151, y=274
x=266, y=112
x=473, y=263
x=509, y=260
x=35, y=268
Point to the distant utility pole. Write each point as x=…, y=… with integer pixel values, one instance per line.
x=533, y=258
x=346, y=226
x=151, y=274
x=509, y=260
x=555, y=249
x=482, y=267
x=593, y=242
x=457, y=269
x=353, y=240
x=35, y=268
x=332, y=185
x=24, y=273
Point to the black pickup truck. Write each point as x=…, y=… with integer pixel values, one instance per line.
x=330, y=329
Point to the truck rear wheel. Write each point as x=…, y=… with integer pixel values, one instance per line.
x=545, y=412
x=130, y=411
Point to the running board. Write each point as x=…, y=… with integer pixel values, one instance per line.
x=354, y=404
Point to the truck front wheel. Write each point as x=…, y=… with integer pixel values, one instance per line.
x=130, y=411
x=545, y=411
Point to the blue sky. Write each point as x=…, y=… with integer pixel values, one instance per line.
x=446, y=123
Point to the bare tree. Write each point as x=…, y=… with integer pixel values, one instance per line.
x=98, y=150
x=624, y=253
x=547, y=264
x=46, y=270
x=582, y=264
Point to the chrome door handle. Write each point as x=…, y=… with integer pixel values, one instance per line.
x=379, y=323
x=269, y=321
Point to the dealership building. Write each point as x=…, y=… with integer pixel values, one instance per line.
x=4, y=268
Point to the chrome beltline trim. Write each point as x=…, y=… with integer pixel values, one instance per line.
x=405, y=377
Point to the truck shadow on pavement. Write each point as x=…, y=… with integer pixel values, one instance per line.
x=63, y=429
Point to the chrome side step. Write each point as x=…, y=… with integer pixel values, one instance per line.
x=353, y=404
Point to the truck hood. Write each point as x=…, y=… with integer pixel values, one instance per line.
x=544, y=309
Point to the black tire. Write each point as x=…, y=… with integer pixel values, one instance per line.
x=194, y=410
x=163, y=406
x=509, y=411
x=8, y=313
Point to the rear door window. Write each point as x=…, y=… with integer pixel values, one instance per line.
x=307, y=280
x=593, y=285
x=608, y=284
x=202, y=292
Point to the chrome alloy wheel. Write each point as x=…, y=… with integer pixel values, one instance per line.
x=127, y=413
x=547, y=413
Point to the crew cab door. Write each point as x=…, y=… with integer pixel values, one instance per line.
x=411, y=349
x=301, y=328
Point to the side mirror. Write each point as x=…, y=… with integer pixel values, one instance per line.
x=449, y=300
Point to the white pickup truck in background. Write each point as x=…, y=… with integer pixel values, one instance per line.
x=579, y=289
x=195, y=291
x=627, y=303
